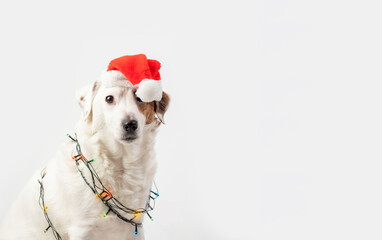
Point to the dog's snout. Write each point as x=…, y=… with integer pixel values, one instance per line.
x=130, y=125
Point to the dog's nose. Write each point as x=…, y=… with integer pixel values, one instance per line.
x=130, y=125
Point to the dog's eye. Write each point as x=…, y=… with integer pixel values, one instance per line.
x=109, y=99
x=139, y=100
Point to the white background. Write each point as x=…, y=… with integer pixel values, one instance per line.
x=274, y=131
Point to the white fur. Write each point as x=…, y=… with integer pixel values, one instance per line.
x=126, y=168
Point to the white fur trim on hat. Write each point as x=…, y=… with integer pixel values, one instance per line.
x=114, y=78
x=149, y=90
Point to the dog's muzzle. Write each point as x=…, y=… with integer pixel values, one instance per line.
x=130, y=127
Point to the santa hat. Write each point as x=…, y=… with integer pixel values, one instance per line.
x=137, y=71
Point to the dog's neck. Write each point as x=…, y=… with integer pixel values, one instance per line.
x=128, y=170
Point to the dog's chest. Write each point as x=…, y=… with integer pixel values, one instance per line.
x=105, y=224
x=130, y=188
x=111, y=228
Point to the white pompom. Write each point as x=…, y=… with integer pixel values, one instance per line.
x=149, y=90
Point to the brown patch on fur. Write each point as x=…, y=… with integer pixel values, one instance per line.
x=162, y=106
x=152, y=108
x=147, y=109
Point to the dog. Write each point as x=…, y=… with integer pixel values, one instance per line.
x=118, y=131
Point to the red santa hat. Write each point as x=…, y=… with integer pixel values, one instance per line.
x=137, y=71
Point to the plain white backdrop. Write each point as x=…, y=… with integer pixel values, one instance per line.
x=274, y=130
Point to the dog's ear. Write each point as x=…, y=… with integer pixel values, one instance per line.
x=85, y=96
x=162, y=106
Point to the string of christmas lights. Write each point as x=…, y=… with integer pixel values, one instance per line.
x=45, y=208
x=103, y=194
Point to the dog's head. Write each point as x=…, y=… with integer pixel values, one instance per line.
x=118, y=113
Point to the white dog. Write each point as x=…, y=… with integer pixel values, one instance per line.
x=117, y=130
